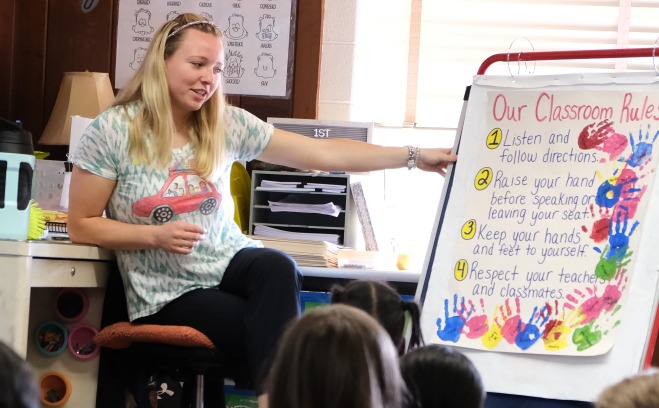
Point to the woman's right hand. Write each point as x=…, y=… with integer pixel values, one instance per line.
x=179, y=237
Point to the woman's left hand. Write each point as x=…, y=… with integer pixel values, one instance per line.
x=436, y=159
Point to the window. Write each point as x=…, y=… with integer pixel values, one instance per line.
x=392, y=73
x=456, y=37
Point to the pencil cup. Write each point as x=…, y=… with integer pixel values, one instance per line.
x=51, y=338
x=55, y=389
x=81, y=341
x=71, y=305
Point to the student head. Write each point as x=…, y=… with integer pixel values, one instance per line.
x=440, y=376
x=382, y=301
x=187, y=55
x=335, y=356
x=639, y=391
x=18, y=388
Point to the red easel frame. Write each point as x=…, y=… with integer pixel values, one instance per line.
x=561, y=55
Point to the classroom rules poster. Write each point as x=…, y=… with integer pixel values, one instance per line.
x=555, y=200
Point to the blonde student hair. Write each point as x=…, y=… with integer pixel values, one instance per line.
x=638, y=391
x=152, y=128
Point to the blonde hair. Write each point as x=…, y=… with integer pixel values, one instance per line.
x=152, y=126
x=639, y=391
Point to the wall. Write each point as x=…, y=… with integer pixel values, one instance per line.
x=40, y=40
x=364, y=61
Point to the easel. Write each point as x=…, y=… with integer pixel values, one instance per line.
x=543, y=56
x=585, y=54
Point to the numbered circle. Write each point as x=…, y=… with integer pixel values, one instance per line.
x=483, y=178
x=469, y=229
x=461, y=270
x=493, y=138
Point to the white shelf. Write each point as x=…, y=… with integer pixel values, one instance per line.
x=260, y=213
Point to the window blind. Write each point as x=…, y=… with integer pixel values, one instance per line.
x=456, y=36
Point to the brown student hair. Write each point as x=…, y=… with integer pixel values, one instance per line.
x=638, y=391
x=335, y=356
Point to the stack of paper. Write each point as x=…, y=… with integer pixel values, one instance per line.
x=305, y=253
x=273, y=183
x=326, y=188
x=295, y=186
x=269, y=232
x=326, y=209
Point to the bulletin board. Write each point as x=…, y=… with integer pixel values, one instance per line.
x=543, y=265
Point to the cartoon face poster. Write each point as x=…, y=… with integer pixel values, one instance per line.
x=555, y=199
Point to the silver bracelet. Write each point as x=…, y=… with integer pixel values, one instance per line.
x=413, y=153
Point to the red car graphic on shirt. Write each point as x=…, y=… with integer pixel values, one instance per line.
x=183, y=192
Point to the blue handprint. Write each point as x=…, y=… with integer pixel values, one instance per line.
x=453, y=324
x=642, y=151
x=530, y=333
x=608, y=194
x=618, y=238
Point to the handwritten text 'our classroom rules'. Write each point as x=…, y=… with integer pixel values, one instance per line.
x=552, y=221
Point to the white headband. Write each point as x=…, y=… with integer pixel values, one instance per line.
x=175, y=31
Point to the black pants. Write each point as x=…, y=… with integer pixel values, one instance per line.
x=244, y=316
x=247, y=313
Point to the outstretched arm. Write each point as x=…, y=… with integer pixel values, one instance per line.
x=302, y=152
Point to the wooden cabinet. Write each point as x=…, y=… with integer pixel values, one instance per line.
x=261, y=213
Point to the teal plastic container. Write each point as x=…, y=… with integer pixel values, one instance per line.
x=16, y=170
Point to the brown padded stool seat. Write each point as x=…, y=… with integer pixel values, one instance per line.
x=122, y=335
x=181, y=352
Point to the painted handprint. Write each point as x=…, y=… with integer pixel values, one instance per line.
x=607, y=267
x=630, y=196
x=599, y=314
x=602, y=136
x=608, y=193
x=641, y=151
x=453, y=324
x=493, y=336
x=475, y=326
x=512, y=323
x=530, y=333
x=590, y=305
x=558, y=328
x=594, y=135
x=618, y=238
x=586, y=337
x=506, y=325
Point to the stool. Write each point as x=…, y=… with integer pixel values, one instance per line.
x=180, y=351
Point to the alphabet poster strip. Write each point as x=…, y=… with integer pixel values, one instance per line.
x=256, y=37
x=542, y=254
